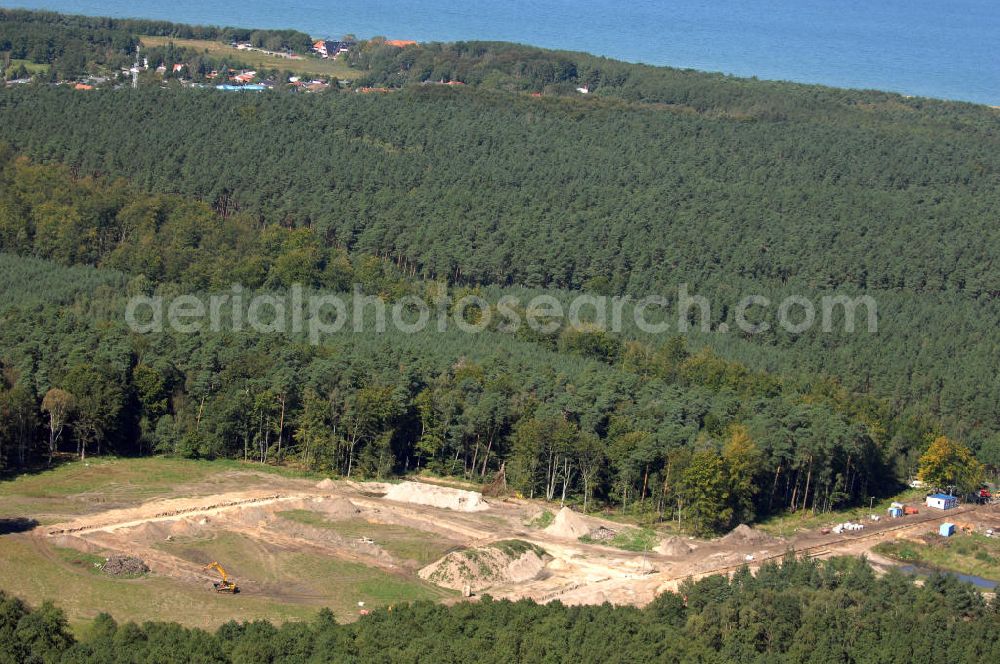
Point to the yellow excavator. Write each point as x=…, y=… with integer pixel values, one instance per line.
x=226, y=585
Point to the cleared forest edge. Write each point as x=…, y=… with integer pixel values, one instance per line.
x=360, y=545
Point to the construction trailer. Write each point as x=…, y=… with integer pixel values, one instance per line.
x=946, y=529
x=941, y=501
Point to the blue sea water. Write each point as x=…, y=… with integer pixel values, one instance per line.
x=936, y=48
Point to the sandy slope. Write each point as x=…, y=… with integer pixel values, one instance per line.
x=573, y=572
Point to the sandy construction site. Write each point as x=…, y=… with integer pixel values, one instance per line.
x=283, y=539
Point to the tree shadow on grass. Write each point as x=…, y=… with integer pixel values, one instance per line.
x=16, y=525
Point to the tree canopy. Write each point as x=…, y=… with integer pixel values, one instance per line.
x=655, y=182
x=798, y=611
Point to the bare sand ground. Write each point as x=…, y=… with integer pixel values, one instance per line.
x=170, y=536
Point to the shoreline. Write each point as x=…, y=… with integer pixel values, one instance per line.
x=688, y=52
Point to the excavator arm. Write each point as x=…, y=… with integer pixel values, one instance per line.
x=225, y=585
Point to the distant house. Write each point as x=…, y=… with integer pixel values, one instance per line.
x=83, y=86
x=941, y=501
x=178, y=67
x=329, y=49
x=245, y=77
x=162, y=69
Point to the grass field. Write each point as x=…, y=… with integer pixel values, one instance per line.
x=69, y=579
x=84, y=562
x=968, y=554
x=282, y=584
x=79, y=487
x=784, y=525
x=336, y=583
x=403, y=543
x=543, y=520
x=633, y=539
x=258, y=60
x=33, y=67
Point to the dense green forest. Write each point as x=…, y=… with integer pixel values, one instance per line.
x=655, y=424
x=494, y=188
x=71, y=47
x=520, y=68
x=57, y=27
x=803, y=612
x=656, y=178
x=489, y=188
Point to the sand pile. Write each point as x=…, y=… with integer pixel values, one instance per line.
x=125, y=566
x=437, y=496
x=152, y=532
x=248, y=516
x=675, y=546
x=744, y=534
x=157, y=531
x=568, y=524
x=334, y=508
x=507, y=561
x=326, y=484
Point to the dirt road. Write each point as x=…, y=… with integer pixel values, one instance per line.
x=261, y=530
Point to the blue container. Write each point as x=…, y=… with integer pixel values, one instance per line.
x=895, y=512
x=947, y=529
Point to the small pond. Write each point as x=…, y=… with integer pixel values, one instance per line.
x=923, y=570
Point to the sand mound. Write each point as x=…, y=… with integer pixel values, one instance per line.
x=124, y=566
x=151, y=532
x=157, y=531
x=507, y=561
x=326, y=484
x=558, y=565
x=568, y=524
x=335, y=508
x=249, y=516
x=744, y=534
x=675, y=546
x=437, y=496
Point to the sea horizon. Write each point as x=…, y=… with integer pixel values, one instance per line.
x=911, y=47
